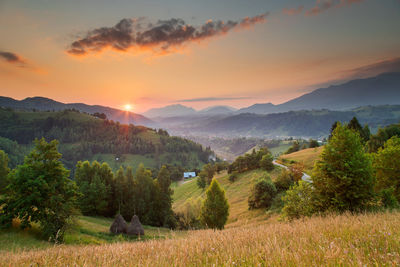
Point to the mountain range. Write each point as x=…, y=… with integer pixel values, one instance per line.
x=179, y=110
x=383, y=89
x=44, y=104
x=378, y=96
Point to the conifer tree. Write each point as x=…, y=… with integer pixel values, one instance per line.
x=215, y=209
x=343, y=178
x=4, y=170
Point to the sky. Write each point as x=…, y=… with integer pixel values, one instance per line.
x=150, y=54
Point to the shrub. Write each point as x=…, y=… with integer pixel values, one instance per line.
x=283, y=181
x=233, y=176
x=388, y=198
x=298, y=201
x=266, y=162
x=189, y=216
x=387, y=166
x=262, y=194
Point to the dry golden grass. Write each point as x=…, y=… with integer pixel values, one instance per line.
x=345, y=240
x=307, y=157
x=237, y=194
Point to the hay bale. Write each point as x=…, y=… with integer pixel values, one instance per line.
x=119, y=225
x=135, y=227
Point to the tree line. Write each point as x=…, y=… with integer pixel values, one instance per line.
x=82, y=136
x=40, y=191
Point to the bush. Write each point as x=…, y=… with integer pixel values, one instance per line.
x=283, y=181
x=262, y=194
x=266, y=162
x=233, y=176
x=388, y=198
x=298, y=201
x=387, y=166
x=189, y=216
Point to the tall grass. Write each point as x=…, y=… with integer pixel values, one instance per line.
x=344, y=240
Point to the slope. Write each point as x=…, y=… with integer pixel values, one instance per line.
x=85, y=137
x=44, y=104
x=341, y=240
x=307, y=157
x=379, y=90
x=237, y=194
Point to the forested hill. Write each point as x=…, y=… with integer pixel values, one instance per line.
x=304, y=123
x=45, y=104
x=85, y=137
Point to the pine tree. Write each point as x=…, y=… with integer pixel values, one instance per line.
x=95, y=193
x=165, y=196
x=143, y=190
x=120, y=194
x=129, y=208
x=215, y=209
x=4, y=170
x=40, y=192
x=343, y=178
x=201, y=180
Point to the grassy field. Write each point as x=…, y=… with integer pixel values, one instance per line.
x=88, y=231
x=236, y=192
x=125, y=160
x=306, y=156
x=344, y=240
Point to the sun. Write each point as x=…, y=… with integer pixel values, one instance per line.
x=128, y=107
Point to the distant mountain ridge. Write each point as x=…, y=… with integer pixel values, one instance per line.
x=302, y=123
x=179, y=110
x=43, y=104
x=383, y=89
x=170, y=111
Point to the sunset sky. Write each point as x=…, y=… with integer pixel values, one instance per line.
x=197, y=53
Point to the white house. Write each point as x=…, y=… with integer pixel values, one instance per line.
x=187, y=175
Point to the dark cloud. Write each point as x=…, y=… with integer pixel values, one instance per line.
x=362, y=72
x=323, y=5
x=388, y=65
x=207, y=99
x=160, y=36
x=12, y=58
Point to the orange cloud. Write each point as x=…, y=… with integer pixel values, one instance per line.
x=292, y=11
x=162, y=37
x=323, y=5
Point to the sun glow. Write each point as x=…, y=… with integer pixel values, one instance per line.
x=128, y=107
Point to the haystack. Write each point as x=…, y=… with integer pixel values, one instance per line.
x=119, y=225
x=135, y=227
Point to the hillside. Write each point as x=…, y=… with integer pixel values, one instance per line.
x=304, y=123
x=85, y=137
x=343, y=240
x=307, y=157
x=46, y=104
x=237, y=194
x=87, y=231
x=380, y=90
